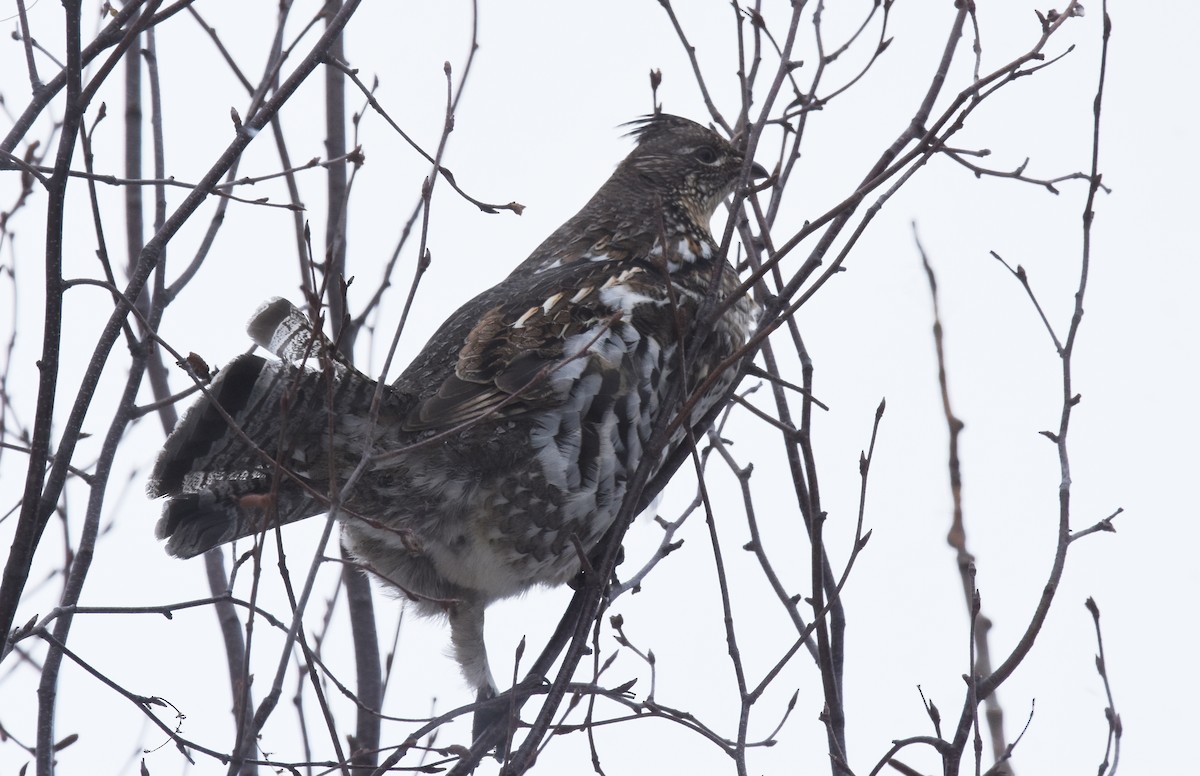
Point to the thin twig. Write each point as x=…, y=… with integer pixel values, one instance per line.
x=957, y=536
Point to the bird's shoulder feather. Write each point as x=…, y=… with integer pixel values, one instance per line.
x=512, y=341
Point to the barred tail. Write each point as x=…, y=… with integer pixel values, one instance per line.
x=250, y=455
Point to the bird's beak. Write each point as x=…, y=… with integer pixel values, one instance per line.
x=758, y=171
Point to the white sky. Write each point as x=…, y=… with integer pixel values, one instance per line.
x=539, y=125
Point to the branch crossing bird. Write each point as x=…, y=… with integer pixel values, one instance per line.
x=504, y=449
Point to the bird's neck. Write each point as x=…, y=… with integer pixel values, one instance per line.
x=603, y=231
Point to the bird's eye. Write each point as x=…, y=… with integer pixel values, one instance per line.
x=705, y=155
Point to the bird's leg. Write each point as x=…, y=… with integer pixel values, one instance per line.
x=466, y=634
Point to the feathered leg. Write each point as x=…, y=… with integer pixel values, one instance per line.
x=466, y=634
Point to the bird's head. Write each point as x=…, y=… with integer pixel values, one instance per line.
x=670, y=184
x=684, y=164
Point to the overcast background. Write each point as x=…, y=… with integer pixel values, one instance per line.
x=539, y=124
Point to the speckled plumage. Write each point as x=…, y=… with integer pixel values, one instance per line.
x=509, y=438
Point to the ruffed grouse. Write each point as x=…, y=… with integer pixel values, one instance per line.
x=504, y=448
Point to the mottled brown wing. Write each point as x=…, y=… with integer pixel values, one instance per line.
x=507, y=364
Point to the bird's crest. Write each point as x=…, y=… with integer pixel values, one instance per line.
x=653, y=126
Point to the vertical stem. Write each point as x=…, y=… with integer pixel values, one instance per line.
x=32, y=521
x=981, y=654
x=335, y=218
x=35, y=83
x=81, y=564
x=369, y=672
x=134, y=225
x=364, y=753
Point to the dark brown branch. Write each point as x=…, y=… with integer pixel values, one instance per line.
x=957, y=536
x=1017, y=174
x=1112, y=745
x=35, y=83
x=34, y=516
x=1069, y=398
x=691, y=52
x=486, y=207
x=988, y=685
x=1023, y=279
